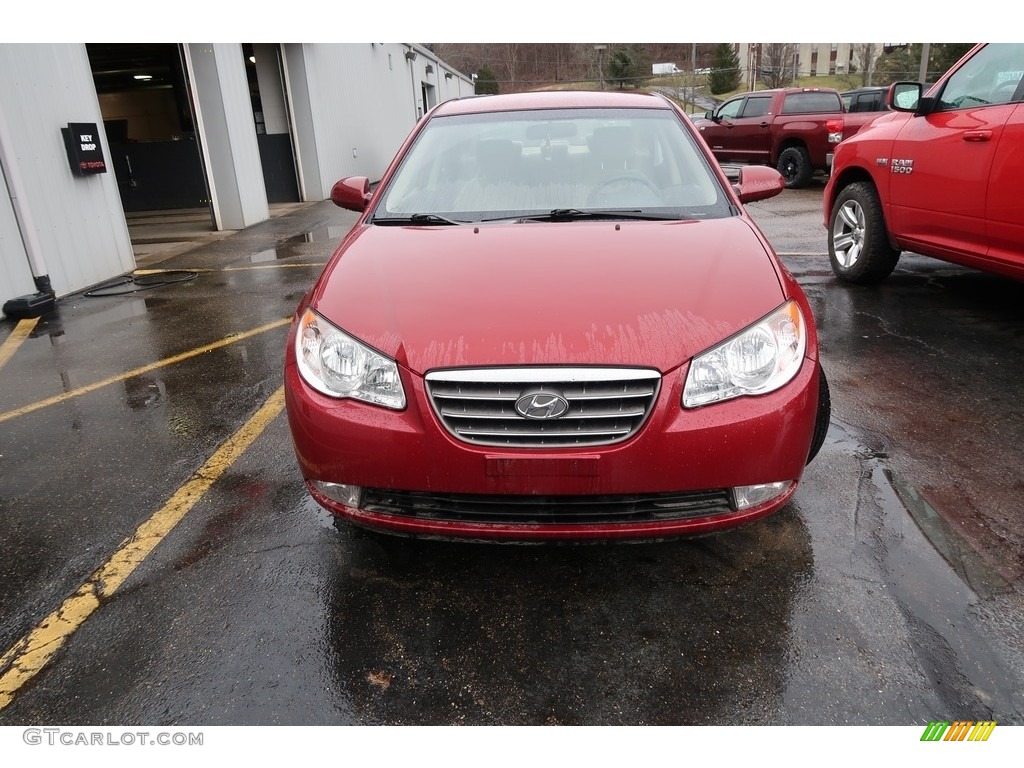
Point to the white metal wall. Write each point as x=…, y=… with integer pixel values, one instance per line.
x=79, y=222
x=225, y=122
x=360, y=102
x=275, y=115
x=15, y=275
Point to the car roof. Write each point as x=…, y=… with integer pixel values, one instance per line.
x=807, y=89
x=552, y=100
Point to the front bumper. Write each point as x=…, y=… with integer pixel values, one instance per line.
x=422, y=481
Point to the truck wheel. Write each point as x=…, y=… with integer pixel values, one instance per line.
x=858, y=244
x=795, y=167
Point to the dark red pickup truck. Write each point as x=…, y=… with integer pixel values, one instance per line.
x=793, y=129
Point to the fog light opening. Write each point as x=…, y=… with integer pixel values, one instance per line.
x=347, y=495
x=747, y=496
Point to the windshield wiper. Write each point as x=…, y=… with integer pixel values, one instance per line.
x=574, y=214
x=430, y=219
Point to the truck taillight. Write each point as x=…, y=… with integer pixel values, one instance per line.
x=835, y=131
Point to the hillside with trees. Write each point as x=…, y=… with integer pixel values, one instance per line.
x=509, y=67
x=524, y=66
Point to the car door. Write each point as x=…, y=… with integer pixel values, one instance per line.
x=715, y=132
x=940, y=163
x=743, y=132
x=1004, y=206
x=751, y=132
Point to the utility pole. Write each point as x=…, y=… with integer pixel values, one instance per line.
x=600, y=63
x=690, y=92
x=923, y=74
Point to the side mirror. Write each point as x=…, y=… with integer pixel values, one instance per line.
x=351, y=193
x=758, y=182
x=904, y=96
x=709, y=115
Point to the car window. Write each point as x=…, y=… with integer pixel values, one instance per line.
x=731, y=109
x=506, y=164
x=991, y=76
x=848, y=102
x=811, y=101
x=757, y=106
x=867, y=102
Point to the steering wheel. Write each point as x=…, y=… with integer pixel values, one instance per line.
x=1004, y=91
x=607, y=188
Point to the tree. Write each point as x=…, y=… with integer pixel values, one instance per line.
x=905, y=63
x=510, y=58
x=864, y=56
x=945, y=55
x=620, y=65
x=778, y=64
x=486, y=80
x=627, y=64
x=725, y=69
x=641, y=62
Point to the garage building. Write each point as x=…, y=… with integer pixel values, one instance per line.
x=90, y=132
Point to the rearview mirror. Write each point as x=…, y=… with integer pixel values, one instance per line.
x=554, y=129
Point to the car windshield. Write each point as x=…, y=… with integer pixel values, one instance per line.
x=561, y=164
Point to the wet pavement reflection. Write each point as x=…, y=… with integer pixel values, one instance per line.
x=672, y=633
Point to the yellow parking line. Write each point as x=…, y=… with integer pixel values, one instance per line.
x=28, y=656
x=18, y=335
x=138, y=371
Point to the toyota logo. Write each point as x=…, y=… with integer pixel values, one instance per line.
x=541, y=405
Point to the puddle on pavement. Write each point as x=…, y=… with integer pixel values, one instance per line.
x=896, y=496
x=972, y=569
x=293, y=245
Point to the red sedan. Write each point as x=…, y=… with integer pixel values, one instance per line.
x=554, y=320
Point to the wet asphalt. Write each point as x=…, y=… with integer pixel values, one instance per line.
x=887, y=592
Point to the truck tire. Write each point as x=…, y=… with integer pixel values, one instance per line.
x=858, y=242
x=795, y=167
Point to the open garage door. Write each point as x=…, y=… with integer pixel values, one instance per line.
x=148, y=117
x=270, y=115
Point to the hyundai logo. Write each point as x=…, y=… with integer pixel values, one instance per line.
x=542, y=405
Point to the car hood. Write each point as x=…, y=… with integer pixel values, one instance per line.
x=648, y=294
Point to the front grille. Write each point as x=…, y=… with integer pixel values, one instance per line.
x=483, y=508
x=604, y=405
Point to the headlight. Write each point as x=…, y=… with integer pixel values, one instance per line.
x=764, y=357
x=334, y=363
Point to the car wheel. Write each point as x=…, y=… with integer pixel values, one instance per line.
x=795, y=167
x=822, y=419
x=858, y=244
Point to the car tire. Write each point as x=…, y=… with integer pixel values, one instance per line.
x=795, y=166
x=858, y=242
x=822, y=419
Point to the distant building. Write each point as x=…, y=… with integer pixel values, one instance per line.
x=813, y=59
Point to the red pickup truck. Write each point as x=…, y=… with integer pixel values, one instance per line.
x=793, y=129
x=942, y=175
